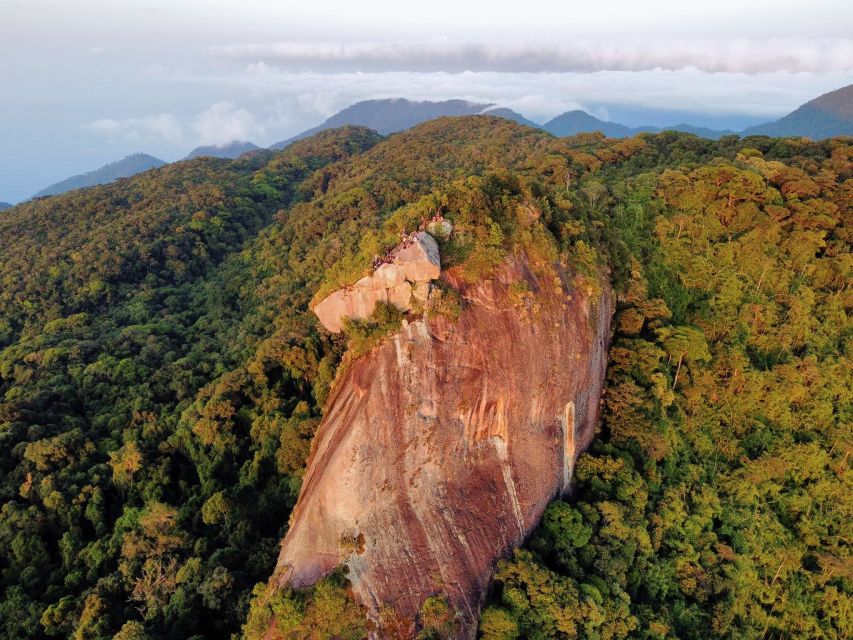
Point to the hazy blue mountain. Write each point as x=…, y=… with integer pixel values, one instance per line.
x=129, y=166
x=509, y=114
x=390, y=115
x=573, y=122
x=633, y=116
x=824, y=117
x=828, y=115
x=702, y=132
x=577, y=121
x=231, y=150
x=397, y=114
x=5, y=205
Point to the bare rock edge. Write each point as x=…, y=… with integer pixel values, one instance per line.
x=440, y=449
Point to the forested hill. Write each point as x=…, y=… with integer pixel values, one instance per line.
x=390, y=115
x=830, y=114
x=161, y=378
x=232, y=150
x=129, y=166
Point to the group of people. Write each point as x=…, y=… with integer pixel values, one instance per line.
x=406, y=240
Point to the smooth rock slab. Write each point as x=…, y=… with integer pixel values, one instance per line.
x=420, y=260
x=441, y=448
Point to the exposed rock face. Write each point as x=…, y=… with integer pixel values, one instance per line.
x=441, y=448
x=413, y=266
x=419, y=260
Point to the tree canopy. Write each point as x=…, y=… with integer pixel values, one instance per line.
x=161, y=378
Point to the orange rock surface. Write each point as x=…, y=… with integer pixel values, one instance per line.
x=440, y=449
x=414, y=265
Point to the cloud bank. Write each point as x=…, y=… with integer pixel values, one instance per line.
x=163, y=126
x=220, y=124
x=223, y=123
x=731, y=55
x=302, y=99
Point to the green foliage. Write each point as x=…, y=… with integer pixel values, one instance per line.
x=131, y=630
x=154, y=421
x=445, y=301
x=437, y=619
x=498, y=624
x=363, y=335
x=161, y=379
x=325, y=611
x=713, y=502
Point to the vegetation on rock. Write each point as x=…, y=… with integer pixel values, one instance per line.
x=161, y=377
x=324, y=611
x=716, y=500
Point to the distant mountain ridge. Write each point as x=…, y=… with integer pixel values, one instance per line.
x=137, y=163
x=577, y=121
x=574, y=122
x=232, y=150
x=509, y=114
x=391, y=115
x=826, y=116
x=129, y=166
x=702, y=132
x=5, y=205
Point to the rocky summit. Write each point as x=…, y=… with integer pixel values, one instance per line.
x=441, y=448
x=406, y=274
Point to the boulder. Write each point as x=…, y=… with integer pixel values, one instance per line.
x=420, y=260
x=364, y=300
x=440, y=228
x=414, y=265
x=421, y=291
x=333, y=309
x=401, y=296
x=390, y=275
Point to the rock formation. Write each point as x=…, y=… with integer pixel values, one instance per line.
x=440, y=449
x=440, y=228
x=414, y=264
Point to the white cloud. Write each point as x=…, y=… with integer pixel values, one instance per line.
x=306, y=98
x=96, y=51
x=106, y=126
x=223, y=123
x=717, y=55
x=220, y=124
x=163, y=126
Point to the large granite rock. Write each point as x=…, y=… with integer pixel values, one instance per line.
x=415, y=263
x=440, y=449
x=440, y=228
x=419, y=259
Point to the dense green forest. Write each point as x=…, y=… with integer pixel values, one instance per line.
x=718, y=499
x=161, y=378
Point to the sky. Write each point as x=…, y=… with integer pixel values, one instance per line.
x=87, y=82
